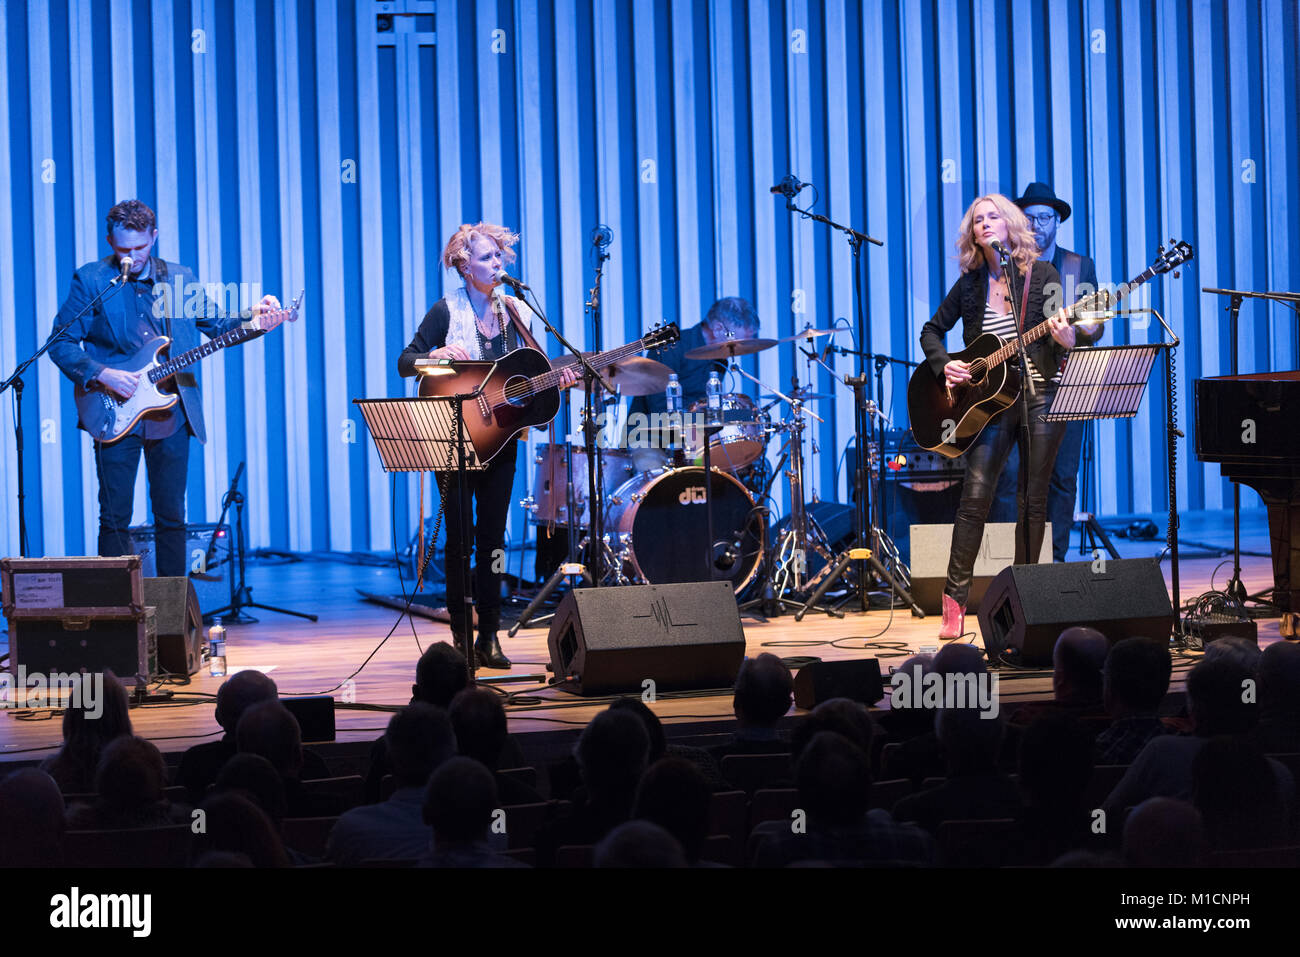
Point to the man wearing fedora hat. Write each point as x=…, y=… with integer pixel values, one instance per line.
x=1045, y=212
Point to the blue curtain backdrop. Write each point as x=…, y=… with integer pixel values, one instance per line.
x=332, y=146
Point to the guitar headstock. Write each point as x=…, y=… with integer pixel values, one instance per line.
x=293, y=308
x=660, y=336
x=1178, y=253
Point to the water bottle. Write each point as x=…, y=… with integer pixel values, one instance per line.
x=673, y=394
x=713, y=393
x=216, y=651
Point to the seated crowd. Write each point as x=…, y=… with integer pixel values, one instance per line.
x=1097, y=776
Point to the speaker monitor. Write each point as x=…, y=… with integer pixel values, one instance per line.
x=315, y=716
x=179, y=623
x=931, y=546
x=680, y=636
x=1027, y=607
x=820, y=681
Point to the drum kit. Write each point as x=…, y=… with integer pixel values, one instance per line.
x=659, y=515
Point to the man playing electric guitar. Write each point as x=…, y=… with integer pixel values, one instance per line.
x=92, y=350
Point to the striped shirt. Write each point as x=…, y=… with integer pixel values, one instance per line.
x=1004, y=327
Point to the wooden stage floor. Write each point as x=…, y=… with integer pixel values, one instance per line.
x=351, y=655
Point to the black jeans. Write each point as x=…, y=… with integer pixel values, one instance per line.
x=166, y=463
x=489, y=493
x=1060, y=496
x=984, y=465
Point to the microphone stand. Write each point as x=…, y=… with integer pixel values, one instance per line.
x=15, y=382
x=1026, y=386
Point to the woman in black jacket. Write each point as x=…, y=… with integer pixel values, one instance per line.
x=982, y=300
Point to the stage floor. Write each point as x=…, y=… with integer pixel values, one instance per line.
x=364, y=654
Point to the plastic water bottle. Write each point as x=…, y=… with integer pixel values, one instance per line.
x=673, y=394
x=216, y=651
x=713, y=394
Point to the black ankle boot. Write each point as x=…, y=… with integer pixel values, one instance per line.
x=488, y=649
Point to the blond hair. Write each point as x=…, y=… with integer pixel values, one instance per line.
x=456, y=253
x=1020, y=238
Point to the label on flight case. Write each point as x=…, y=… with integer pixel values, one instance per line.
x=38, y=591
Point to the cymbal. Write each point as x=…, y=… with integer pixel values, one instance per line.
x=800, y=395
x=633, y=376
x=808, y=334
x=732, y=347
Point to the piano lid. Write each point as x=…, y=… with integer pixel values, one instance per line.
x=1252, y=418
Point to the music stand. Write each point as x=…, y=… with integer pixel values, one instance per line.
x=421, y=435
x=1108, y=382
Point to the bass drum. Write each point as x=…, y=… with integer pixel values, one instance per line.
x=659, y=523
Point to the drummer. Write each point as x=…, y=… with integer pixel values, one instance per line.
x=727, y=319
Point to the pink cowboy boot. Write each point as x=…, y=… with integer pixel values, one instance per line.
x=954, y=619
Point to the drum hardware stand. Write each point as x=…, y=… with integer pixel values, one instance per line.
x=867, y=534
x=241, y=595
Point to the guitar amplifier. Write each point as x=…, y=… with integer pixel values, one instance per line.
x=931, y=546
x=69, y=615
x=210, y=577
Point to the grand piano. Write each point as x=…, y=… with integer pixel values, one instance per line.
x=1231, y=411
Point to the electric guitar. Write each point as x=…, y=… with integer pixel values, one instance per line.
x=522, y=390
x=107, y=418
x=948, y=419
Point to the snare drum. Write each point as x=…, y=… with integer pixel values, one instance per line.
x=662, y=530
x=742, y=440
x=551, y=481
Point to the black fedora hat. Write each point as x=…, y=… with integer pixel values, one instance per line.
x=1040, y=194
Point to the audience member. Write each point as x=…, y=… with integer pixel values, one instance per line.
x=919, y=757
x=1235, y=789
x=763, y=694
x=128, y=790
x=1244, y=651
x=479, y=719
x=440, y=674
x=1164, y=832
x=974, y=789
x=31, y=820
x=1279, y=699
x=85, y=737
x=268, y=728
x=420, y=739
x=640, y=844
x=675, y=795
x=1135, y=680
x=459, y=806
x=833, y=775
x=234, y=824
x=1078, y=658
x=1054, y=770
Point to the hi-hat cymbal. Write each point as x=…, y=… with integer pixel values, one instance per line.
x=732, y=347
x=808, y=334
x=633, y=376
x=800, y=396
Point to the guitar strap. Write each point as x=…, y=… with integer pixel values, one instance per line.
x=1024, y=298
x=526, y=337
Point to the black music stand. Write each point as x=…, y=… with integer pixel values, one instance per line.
x=1108, y=382
x=422, y=435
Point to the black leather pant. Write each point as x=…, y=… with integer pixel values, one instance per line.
x=984, y=464
x=490, y=507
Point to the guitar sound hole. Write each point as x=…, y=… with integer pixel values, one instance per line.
x=516, y=391
x=977, y=373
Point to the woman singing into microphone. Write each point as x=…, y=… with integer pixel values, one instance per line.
x=476, y=322
x=982, y=300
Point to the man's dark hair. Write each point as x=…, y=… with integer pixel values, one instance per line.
x=1078, y=657
x=419, y=740
x=764, y=688
x=31, y=820
x=439, y=675
x=1055, y=761
x=735, y=312
x=131, y=215
x=269, y=728
x=479, y=720
x=1215, y=690
x=654, y=728
x=240, y=692
x=969, y=741
x=460, y=800
x=611, y=753
x=1279, y=677
x=233, y=823
x=1137, y=673
x=131, y=774
x=1236, y=790
x=834, y=780
x=640, y=845
x=253, y=776
x=675, y=795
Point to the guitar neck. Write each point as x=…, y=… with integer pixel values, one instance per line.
x=1067, y=313
x=175, y=364
x=551, y=380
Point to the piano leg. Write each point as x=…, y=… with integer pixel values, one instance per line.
x=1284, y=530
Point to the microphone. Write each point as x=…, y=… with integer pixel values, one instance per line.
x=789, y=187
x=518, y=285
x=730, y=555
x=124, y=264
x=602, y=235
x=1000, y=249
